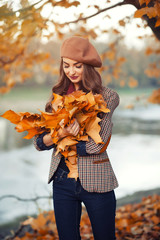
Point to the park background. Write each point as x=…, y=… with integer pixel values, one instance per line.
x=134, y=148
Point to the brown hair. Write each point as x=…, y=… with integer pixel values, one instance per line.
x=91, y=81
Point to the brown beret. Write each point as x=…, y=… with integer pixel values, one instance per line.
x=81, y=50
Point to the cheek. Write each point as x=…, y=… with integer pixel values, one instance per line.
x=65, y=71
x=80, y=72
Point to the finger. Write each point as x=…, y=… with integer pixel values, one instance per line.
x=75, y=128
x=76, y=125
x=76, y=131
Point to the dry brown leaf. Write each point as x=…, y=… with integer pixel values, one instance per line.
x=92, y=128
x=73, y=169
x=77, y=105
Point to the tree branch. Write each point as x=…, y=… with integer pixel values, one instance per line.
x=95, y=14
x=135, y=3
x=3, y=63
x=19, y=10
x=25, y=199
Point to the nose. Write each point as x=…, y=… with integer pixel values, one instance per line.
x=72, y=71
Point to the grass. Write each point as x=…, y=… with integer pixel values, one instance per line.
x=135, y=91
x=43, y=93
x=24, y=93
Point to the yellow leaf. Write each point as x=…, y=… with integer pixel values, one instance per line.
x=157, y=23
x=81, y=117
x=73, y=111
x=132, y=82
x=28, y=27
x=83, y=138
x=32, y=133
x=25, y=75
x=73, y=170
x=151, y=12
x=93, y=129
x=90, y=98
x=140, y=12
x=67, y=141
x=71, y=154
x=39, y=222
x=57, y=102
x=4, y=90
x=46, y=67
x=149, y=51
x=12, y=116
x=122, y=83
x=130, y=106
x=142, y=1
x=52, y=119
x=155, y=97
x=122, y=23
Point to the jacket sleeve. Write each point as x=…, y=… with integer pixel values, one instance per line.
x=81, y=148
x=112, y=99
x=39, y=144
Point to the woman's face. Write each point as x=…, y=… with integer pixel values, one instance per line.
x=73, y=70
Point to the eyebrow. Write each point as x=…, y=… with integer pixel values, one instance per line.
x=73, y=63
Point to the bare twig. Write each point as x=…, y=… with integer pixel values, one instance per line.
x=25, y=199
x=19, y=10
x=19, y=230
x=97, y=13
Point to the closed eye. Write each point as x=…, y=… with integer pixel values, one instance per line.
x=78, y=66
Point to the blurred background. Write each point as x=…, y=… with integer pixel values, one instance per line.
x=31, y=34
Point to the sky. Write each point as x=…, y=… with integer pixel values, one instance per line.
x=131, y=32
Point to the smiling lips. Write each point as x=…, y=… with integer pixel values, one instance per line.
x=73, y=77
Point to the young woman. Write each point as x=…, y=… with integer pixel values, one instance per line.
x=96, y=180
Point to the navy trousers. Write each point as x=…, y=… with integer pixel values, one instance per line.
x=68, y=195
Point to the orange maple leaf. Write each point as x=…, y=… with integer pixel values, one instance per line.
x=77, y=105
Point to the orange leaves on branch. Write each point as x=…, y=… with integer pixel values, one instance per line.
x=157, y=22
x=132, y=82
x=155, y=97
x=122, y=23
x=112, y=64
x=149, y=51
x=66, y=4
x=19, y=30
x=153, y=71
x=28, y=27
x=151, y=12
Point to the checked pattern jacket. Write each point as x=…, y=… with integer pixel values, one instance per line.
x=94, y=169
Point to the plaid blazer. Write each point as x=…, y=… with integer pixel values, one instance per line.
x=95, y=170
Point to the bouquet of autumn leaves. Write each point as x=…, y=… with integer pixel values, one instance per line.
x=65, y=109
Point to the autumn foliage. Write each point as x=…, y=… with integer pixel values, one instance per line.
x=151, y=12
x=140, y=221
x=65, y=109
x=23, y=25
x=155, y=97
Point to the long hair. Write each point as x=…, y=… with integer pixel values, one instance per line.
x=91, y=81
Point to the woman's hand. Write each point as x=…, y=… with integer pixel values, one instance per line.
x=47, y=140
x=71, y=130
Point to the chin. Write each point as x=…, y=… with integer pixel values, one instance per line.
x=75, y=81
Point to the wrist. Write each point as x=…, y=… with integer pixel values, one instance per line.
x=62, y=133
x=47, y=140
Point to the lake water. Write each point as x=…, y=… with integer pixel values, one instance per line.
x=134, y=152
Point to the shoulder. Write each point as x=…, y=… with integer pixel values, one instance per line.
x=109, y=93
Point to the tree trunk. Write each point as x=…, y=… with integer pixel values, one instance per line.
x=150, y=21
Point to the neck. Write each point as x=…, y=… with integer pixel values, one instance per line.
x=76, y=85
